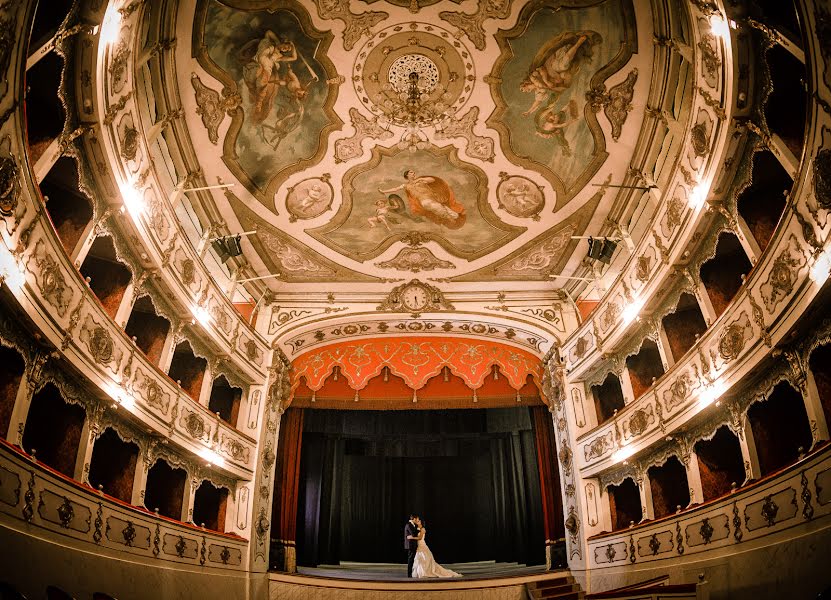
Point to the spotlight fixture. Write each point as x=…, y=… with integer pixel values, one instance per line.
x=602, y=249
x=227, y=247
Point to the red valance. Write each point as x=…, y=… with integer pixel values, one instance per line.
x=416, y=360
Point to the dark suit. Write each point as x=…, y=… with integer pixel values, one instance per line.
x=410, y=545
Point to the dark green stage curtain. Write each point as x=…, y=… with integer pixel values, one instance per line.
x=471, y=474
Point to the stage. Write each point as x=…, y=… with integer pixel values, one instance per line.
x=485, y=580
x=487, y=569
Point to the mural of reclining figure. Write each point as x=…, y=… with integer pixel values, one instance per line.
x=432, y=198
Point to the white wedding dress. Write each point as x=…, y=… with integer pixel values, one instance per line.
x=425, y=565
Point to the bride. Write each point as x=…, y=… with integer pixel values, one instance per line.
x=424, y=564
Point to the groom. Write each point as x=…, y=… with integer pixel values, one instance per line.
x=411, y=542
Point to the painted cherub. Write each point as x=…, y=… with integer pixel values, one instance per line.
x=383, y=209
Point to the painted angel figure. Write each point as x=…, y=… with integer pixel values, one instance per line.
x=275, y=92
x=552, y=72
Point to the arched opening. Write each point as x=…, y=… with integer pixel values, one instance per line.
x=670, y=489
x=608, y=397
x=720, y=463
x=112, y=467
x=209, y=505
x=69, y=209
x=225, y=399
x=684, y=326
x=165, y=489
x=148, y=328
x=108, y=278
x=786, y=106
x=761, y=203
x=11, y=373
x=780, y=428
x=53, y=430
x=722, y=274
x=44, y=111
x=644, y=367
x=820, y=365
x=624, y=504
x=188, y=369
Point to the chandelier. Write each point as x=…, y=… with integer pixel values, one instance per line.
x=414, y=98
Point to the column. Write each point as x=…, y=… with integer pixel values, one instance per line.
x=140, y=483
x=705, y=304
x=749, y=243
x=664, y=348
x=79, y=253
x=645, y=489
x=125, y=307
x=168, y=350
x=626, y=386
x=207, y=386
x=84, y=457
x=690, y=463
x=190, y=496
x=813, y=407
x=750, y=457
x=22, y=401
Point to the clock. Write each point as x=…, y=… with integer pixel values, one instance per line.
x=415, y=297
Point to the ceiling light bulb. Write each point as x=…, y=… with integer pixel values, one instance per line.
x=698, y=196
x=632, y=310
x=202, y=315
x=719, y=26
x=111, y=27
x=133, y=201
x=623, y=453
x=212, y=457
x=821, y=268
x=10, y=271
x=711, y=393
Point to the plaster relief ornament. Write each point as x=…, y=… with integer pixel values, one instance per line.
x=550, y=63
x=519, y=196
x=310, y=198
x=212, y=107
x=9, y=186
x=425, y=55
x=415, y=260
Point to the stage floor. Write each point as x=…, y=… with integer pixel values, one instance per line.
x=487, y=569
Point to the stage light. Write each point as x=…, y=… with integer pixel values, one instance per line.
x=212, y=457
x=111, y=27
x=711, y=393
x=201, y=314
x=602, y=249
x=821, y=268
x=10, y=271
x=719, y=26
x=227, y=247
x=133, y=201
x=632, y=310
x=121, y=396
x=623, y=453
x=698, y=196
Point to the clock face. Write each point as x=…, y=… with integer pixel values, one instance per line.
x=414, y=298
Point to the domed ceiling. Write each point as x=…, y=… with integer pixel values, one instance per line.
x=376, y=140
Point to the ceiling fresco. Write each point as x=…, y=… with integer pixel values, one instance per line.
x=522, y=115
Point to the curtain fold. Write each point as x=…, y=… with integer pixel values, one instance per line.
x=286, y=487
x=552, y=503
